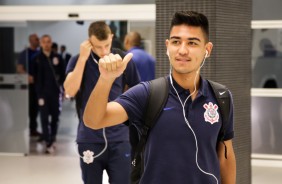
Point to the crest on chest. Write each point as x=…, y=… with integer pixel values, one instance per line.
x=211, y=114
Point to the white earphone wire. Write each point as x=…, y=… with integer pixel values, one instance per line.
x=186, y=120
x=106, y=145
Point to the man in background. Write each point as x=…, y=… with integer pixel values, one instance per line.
x=50, y=70
x=103, y=149
x=65, y=55
x=145, y=63
x=26, y=65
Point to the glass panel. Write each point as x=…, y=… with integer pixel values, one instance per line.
x=267, y=58
x=266, y=125
x=13, y=92
x=119, y=29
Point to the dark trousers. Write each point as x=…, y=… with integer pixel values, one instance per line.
x=32, y=108
x=49, y=114
x=116, y=160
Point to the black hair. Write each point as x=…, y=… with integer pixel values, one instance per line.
x=191, y=18
x=54, y=45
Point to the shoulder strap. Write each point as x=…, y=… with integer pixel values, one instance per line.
x=158, y=94
x=223, y=98
x=156, y=101
x=53, y=71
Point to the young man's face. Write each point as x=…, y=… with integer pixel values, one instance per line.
x=186, y=48
x=101, y=47
x=46, y=43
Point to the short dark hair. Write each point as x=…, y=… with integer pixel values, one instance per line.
x=99, y=29
x=134, y=38
x=191, y=18
x=32, y=35
x=54, y=45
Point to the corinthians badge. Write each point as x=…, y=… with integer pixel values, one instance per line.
x=88, y=156
x=55, y=61
x=211, y=115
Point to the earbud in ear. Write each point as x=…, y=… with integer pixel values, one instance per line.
x=167, y=53
x=206, y=54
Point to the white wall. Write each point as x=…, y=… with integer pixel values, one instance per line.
x=68, y=33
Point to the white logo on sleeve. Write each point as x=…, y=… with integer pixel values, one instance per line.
x=211, y=115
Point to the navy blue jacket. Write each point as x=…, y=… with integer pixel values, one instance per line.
x=170, y=151
x=90, y=77
x=50, y=75
x=26, y=58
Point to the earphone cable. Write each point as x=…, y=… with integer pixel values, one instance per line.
x=104, y=149
x=186, y=120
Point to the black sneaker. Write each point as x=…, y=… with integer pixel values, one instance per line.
x=40, y=139
x=35, y=134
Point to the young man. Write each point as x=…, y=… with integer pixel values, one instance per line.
x=26, y=65
x=65, y=55
x=182, y=147
x=145, y=63
x=82, y=75
x=50, y=71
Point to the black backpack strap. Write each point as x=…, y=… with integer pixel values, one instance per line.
x=158, y=94
x=223, y=98
x=156, y=101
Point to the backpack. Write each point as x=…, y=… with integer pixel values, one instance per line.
x=158, y=95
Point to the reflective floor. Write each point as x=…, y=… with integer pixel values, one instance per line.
x=63, y=166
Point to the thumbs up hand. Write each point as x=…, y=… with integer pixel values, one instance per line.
x=112, y=65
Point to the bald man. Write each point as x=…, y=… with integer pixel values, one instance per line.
x=25, y=65
x=144, y=62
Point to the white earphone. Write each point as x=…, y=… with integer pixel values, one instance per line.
x=206, y=54
x=184, y=114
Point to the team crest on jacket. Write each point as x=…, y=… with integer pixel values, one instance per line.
x=55, y=61
x=211, y=115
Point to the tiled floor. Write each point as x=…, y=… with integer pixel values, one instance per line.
x=63, y=167
x=266, y=171
x=39, y=168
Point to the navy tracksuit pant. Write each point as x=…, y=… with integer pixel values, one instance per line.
x=49, y=113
